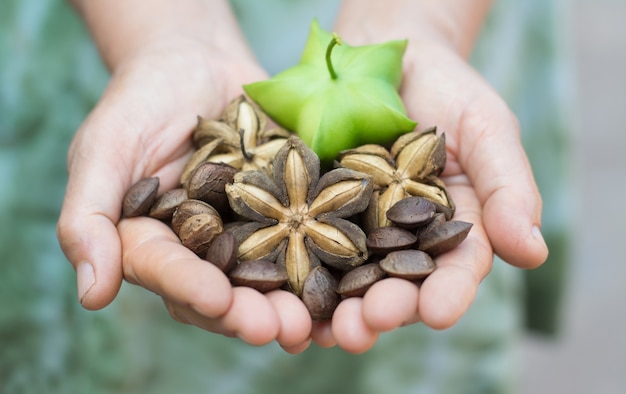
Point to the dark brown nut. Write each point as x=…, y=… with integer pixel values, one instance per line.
x=164, y=206
x=355, y=283
x=223, y=251
x=444, y=237
x=198, y=231
x=207, y=183
x=319, y=293
x=261, y=275
x=408, y=264
x=140, y=197
x=438, y=220
x=411, y=212
x=387, y=239
x=187, y=209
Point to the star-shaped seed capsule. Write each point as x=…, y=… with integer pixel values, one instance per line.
x=298, y=217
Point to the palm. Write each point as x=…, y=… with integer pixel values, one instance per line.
x=486, y=173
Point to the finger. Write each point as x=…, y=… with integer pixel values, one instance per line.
x=252, y=317
x=491, y=151
x=390, y=303
x=86, y=226
x=322, y=335
x=186, y=315
x=297, y=349
x=294, y=319
x=350, y=329
x=154, y=258
x=447, y=293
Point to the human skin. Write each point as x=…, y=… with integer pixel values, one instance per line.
x=173, y=60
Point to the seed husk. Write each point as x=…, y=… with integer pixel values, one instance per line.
x=408, y=264
x=223, y=251
x=164, y=207
x=444, y=237
x=411, y=212
x=140, y=197
x=355, y=283
x=319, y=293
x=387, y=239
x=188, y=208
x=261, y=275
x=198, y=231
x=207, y=183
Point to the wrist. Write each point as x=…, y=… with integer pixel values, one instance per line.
x=449, y=24
x=122, y=29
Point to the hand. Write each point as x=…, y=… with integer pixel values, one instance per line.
x=141, y=128
x=491, y=182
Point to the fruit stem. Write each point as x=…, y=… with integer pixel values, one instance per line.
x=336, y=40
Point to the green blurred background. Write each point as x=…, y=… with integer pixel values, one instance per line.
x=560, y=67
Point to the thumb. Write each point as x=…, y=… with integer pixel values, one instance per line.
x=86, y=227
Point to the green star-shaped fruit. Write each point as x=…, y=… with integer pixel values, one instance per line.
x=339, y=96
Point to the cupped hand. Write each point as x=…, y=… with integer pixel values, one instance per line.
x=490, y=180
x=141, y=128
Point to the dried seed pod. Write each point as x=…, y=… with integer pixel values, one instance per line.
x=410, y=169
x=223, y=251
x=208, y=130
x=373, y=160
x=247, y=123
x=340, y=193
x=337, y=242
x=444, y=237
x=261, y=275
x=197, y=158
x=420, y=154
x=432, y=189
x=376, y=213
x=289, y=206
x=198, y=231
x=319, y=294
x=387, y=239
x=164, y=207
x=207, y=184
x=408, y=264
x=140, y=197
x=355, y=283
x=230, y=113
x=411, y=212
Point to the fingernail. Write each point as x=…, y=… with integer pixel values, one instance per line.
x=85, y=278
x=536, y=232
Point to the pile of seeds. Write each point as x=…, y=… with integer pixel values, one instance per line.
x=255, y=202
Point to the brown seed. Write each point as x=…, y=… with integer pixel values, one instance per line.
x=223, y=251
x=387, y=239
x=261, y=275
x=408, y=264
x=207, y=183
x=319, y=294
x=355, y=283
x=411, y=212
x=189, y=208
x=198, y=231
x=444, y=237
x=164, y=207
x=140, y=197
